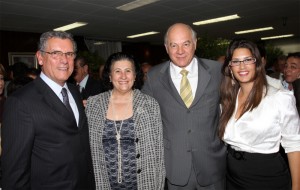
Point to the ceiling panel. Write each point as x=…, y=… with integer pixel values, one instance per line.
x=108, y=23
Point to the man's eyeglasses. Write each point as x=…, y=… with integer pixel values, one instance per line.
x=59, y=54
x=246, y=61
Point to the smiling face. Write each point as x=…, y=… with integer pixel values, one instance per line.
x=180, y=45
x=243, y=73
x=61, y=68
x=122, y=76
x=292, y=69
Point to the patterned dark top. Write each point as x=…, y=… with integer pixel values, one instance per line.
x=110, y=146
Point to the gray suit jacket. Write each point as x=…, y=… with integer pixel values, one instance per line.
x=190, y=135
x=149, y=140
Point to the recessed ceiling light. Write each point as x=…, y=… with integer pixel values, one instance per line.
x=254, y=30
x=135, y=4
x=70, y=26
x=275, y=37
x=99, y=43
x=142, y=34
x=219, y=19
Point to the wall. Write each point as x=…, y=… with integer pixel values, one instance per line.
x=287, y=45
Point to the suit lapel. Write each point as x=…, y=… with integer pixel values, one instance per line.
x=79, y=104
x=203, y=79
x=166, y=80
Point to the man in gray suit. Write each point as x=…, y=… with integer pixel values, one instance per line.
x=194, y=155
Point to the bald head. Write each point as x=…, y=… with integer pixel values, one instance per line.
x=180, y=26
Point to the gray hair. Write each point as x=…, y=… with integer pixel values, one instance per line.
x=194, y=34
x=55, y=34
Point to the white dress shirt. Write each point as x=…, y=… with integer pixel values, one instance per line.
x=261, y=130
x=57, y=90
x=82, y=83
x=192, y=76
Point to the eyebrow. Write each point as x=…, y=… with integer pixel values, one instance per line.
x=242, y=58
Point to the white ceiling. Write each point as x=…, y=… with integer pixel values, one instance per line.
x=108, y=23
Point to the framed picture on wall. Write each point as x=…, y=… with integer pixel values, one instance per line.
x=27, y=58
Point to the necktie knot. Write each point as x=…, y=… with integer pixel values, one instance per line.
x=184, y=72
x=64, y=92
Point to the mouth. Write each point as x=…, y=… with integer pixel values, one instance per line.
x=63, y=68
x=243, y=73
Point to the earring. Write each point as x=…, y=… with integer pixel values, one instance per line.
x=232, y=79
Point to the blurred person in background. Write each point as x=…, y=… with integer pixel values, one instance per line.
x=84, y=82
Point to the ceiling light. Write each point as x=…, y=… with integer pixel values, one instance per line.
x=275, y=37
x=99, y=43
x=143, y=34
x=135, y=4
x=220, y=19
x=70, y=26
x=254, y=30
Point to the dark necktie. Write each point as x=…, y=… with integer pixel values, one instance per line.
x=66, y=99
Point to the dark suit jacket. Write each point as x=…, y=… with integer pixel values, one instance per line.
x=92, y=87
x=42, y=146
x=190, y=134
x=296, y=87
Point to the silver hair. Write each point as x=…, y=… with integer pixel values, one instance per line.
x=55, y=34
x=194, y=34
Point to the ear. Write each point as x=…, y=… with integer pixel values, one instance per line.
x=39, y=57
x=166, y=48
x=86, y=68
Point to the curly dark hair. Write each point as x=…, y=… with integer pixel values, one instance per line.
x=138, y=83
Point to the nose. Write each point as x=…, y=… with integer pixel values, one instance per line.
x=242, y=64
x=123, y=75
x=180, y=49
x=63, y=58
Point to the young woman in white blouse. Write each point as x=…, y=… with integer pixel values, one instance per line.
x=255, y=119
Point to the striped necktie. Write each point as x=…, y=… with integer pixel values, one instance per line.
x=185, y=89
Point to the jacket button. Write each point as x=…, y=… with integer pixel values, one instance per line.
x=137, y=140
x=138, y=156
x=139, y=171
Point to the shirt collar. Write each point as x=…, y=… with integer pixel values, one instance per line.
x=84, y=81
x=192, y=68
x=53, y=85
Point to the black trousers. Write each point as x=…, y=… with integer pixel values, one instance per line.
x=253, y=171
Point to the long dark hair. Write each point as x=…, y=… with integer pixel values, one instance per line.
x=138, y=83
x=229, y=91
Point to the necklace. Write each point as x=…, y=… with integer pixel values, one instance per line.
x=118, y=137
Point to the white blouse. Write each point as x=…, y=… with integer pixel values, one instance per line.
x=261, y=130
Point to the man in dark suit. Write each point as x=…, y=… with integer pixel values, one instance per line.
x=195, y=157
x=45, y=135
x=86, y=84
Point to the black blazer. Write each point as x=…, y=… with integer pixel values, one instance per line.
x=42, y=146
x=92, y=87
